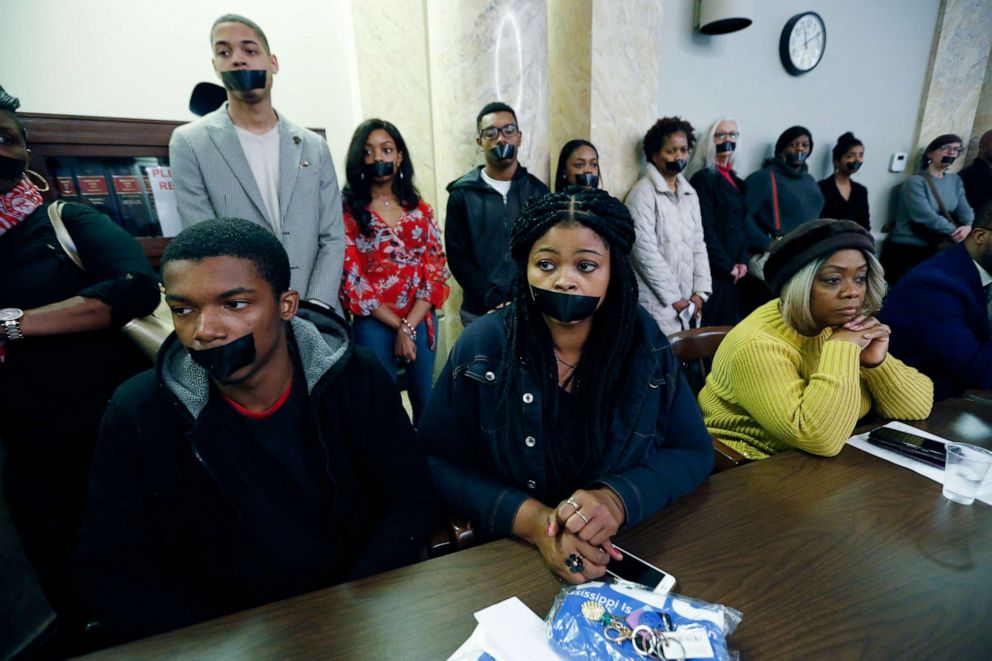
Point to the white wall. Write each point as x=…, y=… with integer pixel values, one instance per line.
x=127, y=58
x=870, y=81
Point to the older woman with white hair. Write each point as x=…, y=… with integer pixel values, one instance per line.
x=801, y=370
x=721, y=204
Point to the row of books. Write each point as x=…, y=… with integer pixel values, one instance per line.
x=121, y=188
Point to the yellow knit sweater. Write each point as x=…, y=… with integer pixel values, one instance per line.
x=772, y=388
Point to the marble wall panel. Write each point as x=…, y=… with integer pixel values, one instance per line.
x=626, y=70
x=983, y=117
x=394, y=77
x=957, y=70
x=482, y=51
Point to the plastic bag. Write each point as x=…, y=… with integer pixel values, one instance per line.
x=606, y=621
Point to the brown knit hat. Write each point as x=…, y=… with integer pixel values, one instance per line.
x=810, y=241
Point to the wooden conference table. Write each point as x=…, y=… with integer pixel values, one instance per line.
x=846, y=557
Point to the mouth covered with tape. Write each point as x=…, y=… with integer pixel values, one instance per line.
x=241, y=80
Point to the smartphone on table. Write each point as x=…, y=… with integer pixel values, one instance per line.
x=636, y=570
x=909, y=445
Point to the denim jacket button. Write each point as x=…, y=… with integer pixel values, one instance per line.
x=490, y=376
x=530, y=441
x=531, y=484
x=528, y=398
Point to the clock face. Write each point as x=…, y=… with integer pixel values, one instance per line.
x=803, y=41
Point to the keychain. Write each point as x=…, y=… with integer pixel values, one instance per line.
x=647, y=641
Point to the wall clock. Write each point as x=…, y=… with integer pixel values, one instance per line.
x=804, y=38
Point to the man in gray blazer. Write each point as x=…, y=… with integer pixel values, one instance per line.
x=246, y=161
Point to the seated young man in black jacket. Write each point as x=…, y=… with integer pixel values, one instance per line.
x=482, y=206
x=263, y=457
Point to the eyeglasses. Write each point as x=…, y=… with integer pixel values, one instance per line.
x=947, y=149
x=493, y=132
x=733, y=135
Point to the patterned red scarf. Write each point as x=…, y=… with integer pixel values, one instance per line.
x=18, y=204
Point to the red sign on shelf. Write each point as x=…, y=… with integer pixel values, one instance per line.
x=127, y=184
x=66, y=186
x=93, y=185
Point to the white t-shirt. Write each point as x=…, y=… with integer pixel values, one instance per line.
x=262, y=152
x=501, y=187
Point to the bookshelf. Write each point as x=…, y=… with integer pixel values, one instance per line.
x=106, y=162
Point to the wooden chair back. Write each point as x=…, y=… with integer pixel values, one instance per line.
x=695, y=349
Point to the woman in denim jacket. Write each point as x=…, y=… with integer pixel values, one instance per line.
x=563, y=416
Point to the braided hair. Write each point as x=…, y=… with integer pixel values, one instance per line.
x=357, y=193
x=611, y=341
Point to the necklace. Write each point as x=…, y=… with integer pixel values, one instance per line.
x=383, y=200
x=570, y=366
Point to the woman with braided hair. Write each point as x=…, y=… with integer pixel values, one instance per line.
x=563, y=416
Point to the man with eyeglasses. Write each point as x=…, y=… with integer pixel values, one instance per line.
x=482, y=206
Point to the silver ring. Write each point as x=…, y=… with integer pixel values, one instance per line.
x=582, y=516
x=571, y=501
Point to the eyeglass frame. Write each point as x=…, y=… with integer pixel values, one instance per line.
x=733, y=135
x=500, y=131
x=947, y=149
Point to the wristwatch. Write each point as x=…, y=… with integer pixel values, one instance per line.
x=11, y=320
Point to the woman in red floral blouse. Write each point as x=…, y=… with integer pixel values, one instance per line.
x=394, y=264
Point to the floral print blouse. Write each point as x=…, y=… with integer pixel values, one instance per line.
x=394, y=266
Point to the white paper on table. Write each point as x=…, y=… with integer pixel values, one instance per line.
x=164, y=195
x=508, y=630
x=860, y=441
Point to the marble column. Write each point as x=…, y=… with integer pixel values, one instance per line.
x=957, y=70
x=625, y=88
x=394, y=77
x=983, y=117
x=481, y=51
x=570, y=58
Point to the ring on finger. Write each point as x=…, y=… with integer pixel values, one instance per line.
x=571, y=501
x=574, y=563
x=582, y=516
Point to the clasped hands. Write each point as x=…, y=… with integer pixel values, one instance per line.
x=868, y=333
x=584, y=531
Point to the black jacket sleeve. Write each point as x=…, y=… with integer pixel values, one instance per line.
x=125, y=581
x=720, y=262
x=458, y=246
x=122, y=277
x=394, y=472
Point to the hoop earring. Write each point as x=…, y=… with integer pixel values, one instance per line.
x=39, y=178
x=401, y=175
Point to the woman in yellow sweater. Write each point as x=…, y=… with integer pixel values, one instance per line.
x=802, y=369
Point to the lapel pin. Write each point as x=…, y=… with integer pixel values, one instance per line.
x=305, y=164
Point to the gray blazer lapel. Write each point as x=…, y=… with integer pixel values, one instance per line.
x=221, y=131
x=290, y=152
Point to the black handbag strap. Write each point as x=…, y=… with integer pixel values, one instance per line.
x=940, y=203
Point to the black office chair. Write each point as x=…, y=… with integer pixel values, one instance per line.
x=206, y=98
